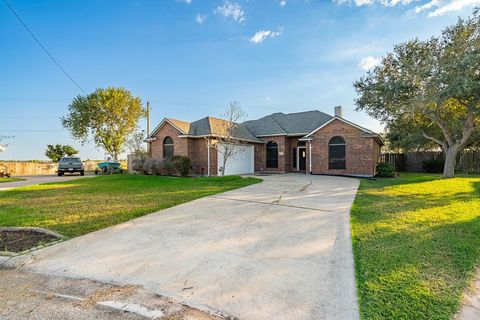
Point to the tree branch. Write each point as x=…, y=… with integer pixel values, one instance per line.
x=438, y=141
x=468, y=130
x=445, y=131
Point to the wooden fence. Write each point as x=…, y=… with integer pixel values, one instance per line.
x=31, y=168
x=468, y=161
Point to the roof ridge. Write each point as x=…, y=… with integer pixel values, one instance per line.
x=177, y=120
x=278, y=124
x=210, y=131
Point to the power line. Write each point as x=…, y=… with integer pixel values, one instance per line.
x=42, y=46
x=159, y=102
x=31, y=130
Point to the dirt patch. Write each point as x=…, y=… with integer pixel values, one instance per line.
x=25, y=295
x=20, y=240
x=108, y=293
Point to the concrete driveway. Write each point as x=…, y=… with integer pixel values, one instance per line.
x=280, y=249
x=32, y=180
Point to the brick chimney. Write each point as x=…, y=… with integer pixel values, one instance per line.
x=338, y=111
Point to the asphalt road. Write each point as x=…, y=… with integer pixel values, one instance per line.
x=32, y=180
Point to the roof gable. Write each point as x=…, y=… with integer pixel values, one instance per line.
x=181, y=126
x=364, y=130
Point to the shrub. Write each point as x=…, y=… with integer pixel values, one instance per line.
x=152, y=167
x=433, y=165
x=138, y=164
x=385, y=170
x=167, y=167
x=181, y=165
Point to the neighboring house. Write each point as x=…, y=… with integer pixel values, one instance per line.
x=310, y=141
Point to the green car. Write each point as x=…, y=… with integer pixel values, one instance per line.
x=109, y=166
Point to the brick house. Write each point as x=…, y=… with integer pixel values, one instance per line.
x=312, y=142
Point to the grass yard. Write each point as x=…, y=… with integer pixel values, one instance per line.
x=5, y=179
x=416, y=243
x=76, y=207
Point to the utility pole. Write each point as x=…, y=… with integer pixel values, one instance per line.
x=148, y=126
x=148, y=118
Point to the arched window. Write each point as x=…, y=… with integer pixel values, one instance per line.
x=168, y=148
x=336, y=153
x=272, y=155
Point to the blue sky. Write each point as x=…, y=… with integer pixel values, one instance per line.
x=190, y=58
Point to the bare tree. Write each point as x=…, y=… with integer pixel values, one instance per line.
x=228, y=142
x=3, y=146
x=136, y=144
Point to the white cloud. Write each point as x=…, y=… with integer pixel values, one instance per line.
x=386, y=3
x=200, y=18
x=261, y=35
x=427, y=6
x=185, y=1
x=443, y=7
x=367, y=63
x=433, y=8
x=282, y=3
x=231, y=10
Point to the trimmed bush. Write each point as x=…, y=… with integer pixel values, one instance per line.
x=385, y=170
x=181, y=165
x=433, y=165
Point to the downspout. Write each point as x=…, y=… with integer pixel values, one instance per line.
x=310, y=155
x=208, y=157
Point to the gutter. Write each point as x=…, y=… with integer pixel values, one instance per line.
x=213, y=136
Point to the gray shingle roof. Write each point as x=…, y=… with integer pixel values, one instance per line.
x=290, y=123
x=299, y=123
x=214, y=126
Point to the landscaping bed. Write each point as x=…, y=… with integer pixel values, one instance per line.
x=21, y=239
x=416, y=242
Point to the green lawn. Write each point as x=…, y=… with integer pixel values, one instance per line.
x=416, y=243
x=76, y=207
x=5, y=179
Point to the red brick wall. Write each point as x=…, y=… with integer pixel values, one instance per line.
x=201, y=157
x=361, y=152
x=180, y=145
x=261, y=153
x=259, y=156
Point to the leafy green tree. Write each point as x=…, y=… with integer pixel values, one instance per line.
x=428, y=92
x=58, y=151
x=106, y=116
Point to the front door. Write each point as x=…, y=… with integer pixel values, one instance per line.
x=302, y=159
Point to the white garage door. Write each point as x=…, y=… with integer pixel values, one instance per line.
x=240, y=163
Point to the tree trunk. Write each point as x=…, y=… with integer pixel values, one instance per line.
x=224, y=164
x=450, y=161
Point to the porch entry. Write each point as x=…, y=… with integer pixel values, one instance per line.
x=299, y=161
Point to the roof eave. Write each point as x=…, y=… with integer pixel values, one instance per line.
x=217, y=136
x=165, y=120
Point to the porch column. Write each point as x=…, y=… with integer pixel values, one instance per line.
x=208, y=157
x=310, y=155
